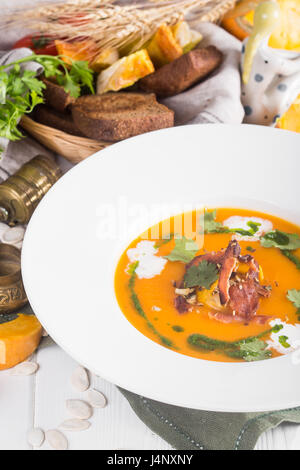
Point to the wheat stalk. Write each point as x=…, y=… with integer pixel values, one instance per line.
x=112, y=25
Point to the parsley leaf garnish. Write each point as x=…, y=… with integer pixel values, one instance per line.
x=212, y=226
x=202, y=275
x=282, y=240
x=294, y=296
x=184, y=251
x=254, y=350
x=208, y=221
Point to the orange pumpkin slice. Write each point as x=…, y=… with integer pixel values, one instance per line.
x=19, y=338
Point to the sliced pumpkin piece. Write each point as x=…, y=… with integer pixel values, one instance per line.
x=195, y=38
x=79, y=50
x=291, y=119
x=210, y=297
x=125, y=72
x=19, y=338
x=105, y=59
x=186, y=37
x=163, y=47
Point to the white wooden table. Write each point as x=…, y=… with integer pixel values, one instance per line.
x=39, y=400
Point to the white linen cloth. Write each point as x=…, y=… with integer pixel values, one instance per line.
x=217, y=98
x=273, y=86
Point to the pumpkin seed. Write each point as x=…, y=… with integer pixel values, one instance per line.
x=13, y=235
x=79, y=409
x=96, y=399
x=80, y=379
x=75, y=424
x=25, y=368
x=57, y=440
x=35, y=437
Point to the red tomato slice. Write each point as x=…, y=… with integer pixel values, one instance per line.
x=38, y=43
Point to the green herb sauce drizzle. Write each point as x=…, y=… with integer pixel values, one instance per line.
x=137, y=305
x=249, y=349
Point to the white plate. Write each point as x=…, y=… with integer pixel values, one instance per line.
x=68, y=269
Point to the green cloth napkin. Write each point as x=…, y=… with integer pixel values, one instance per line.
x=188, y=429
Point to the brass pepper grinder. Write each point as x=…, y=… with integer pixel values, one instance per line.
x=21, y=192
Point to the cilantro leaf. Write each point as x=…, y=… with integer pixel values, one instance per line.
x=32, y=83
x=3, y=86
x=184, y=251
x=70, y=86
x=82, y=74
x=202, y=275
x=208, y=221
x=282, y=240
x=254, y=350
x=294, y=296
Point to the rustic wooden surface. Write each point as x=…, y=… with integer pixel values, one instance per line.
x=39, y=401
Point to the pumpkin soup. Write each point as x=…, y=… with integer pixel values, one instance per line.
x=237, y=298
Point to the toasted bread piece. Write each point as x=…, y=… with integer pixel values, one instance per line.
x=52, y=118
x=117, y=116
x=183, y=72
x=56, y=97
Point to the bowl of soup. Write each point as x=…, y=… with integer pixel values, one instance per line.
x=237, y=298
x=169, y=264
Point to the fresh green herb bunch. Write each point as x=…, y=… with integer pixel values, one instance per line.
x=21, y=90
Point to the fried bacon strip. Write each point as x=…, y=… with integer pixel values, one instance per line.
x=216, y=257
x=227, y=318
x=181, y=304
x=229, y=264
x=239, y=293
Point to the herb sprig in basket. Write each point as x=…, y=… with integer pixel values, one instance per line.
x=21, y=90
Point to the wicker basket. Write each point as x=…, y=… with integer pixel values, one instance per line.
x=71, y=147
x=75, y=148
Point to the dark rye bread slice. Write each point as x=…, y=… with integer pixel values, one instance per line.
x=117, y=116
x=56, y=97
x=183, y=72
x=52, y=118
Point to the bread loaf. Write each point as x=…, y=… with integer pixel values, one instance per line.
x=117, y=116
x=52, y=118
x=56, y=97
x=177, y=76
